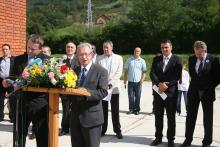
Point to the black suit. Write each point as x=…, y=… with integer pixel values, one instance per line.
x=33, y=108
x=171, y=74
x=202, y=89
x=4, y=90
x=86, y=112
x=65, y=99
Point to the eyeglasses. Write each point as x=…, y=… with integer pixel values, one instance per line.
x=32, y=49
x=85, y=54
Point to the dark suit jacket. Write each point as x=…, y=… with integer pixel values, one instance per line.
x=171, y=74
x=74, y=62
x=207, y=81
x=88, y=110
x=35, y=101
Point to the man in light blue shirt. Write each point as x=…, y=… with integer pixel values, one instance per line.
x=135, y=69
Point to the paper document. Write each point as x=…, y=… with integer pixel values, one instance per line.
x=109, y=96
x=162, y=95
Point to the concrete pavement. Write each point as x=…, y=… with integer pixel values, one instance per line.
x=138, y=130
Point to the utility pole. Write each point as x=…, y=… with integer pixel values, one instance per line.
x=89, y=15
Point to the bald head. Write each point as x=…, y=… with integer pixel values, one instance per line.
x=137, y=52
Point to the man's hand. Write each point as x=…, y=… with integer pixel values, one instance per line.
x=163, y=86
x=5, y=83
x=141, y=81
x=125, y=83
x=109, y=86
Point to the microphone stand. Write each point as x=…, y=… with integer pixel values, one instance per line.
x=19, y=104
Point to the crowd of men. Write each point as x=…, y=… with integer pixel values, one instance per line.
x=86, y=117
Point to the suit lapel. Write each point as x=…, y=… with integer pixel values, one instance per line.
x=114, y=62
x=160, y=63
x=206, y=63
x=169, y=63
x=194, y=59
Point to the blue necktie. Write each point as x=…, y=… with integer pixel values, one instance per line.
x=83, y=76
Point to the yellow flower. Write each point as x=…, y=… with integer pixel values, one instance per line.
x=38, y=70
x=70, y=79
x=33, y=72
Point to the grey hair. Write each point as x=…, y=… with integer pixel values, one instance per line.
x=200, y=45
x=108, y=42
x=83, y=44
x=36, y=39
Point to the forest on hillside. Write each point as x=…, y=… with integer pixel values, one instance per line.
x=130, y=23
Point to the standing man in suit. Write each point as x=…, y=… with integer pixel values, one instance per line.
x=165, y=73
x=204, y=72
x=71, y=62
x=33, y=107
x=114, y=65
x=86, y=111
x=6, y=65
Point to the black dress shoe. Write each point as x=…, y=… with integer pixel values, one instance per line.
x=61, y=133
x=129, y=112
x=136, y=113
x=1, y=119
x=171, y=144
x=156, y=142
x=205, y=145
x=185, y=144
x=102, y=134
x=119, y=135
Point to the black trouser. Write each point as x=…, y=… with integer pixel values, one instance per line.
x=192, y=111
x=115, y=114
x=39, y=120
x=11, y=102
x=65, y=123
x=170, y=105
x=2, y=98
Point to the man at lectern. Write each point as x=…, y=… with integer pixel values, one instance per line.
x=86, y=111
x=32, y=106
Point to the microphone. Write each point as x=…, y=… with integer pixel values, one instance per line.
x=16, y=82
x=36, y=61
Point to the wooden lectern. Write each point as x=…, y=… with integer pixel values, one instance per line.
x=54, y=108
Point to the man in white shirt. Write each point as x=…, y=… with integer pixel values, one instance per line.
x=114, y=65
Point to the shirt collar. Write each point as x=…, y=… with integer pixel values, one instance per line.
x=70, y=57
x=203, y=59
x=87, y=66
x=167, y=57
x=6, y=57
x=108, y=56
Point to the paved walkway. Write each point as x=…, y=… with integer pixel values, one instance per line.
x=138, y=130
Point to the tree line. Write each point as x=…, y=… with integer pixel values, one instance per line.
x=142, y=23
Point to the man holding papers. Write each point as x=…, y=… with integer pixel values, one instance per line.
x=165, y=72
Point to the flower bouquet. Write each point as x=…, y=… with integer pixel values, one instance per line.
x=51, y=74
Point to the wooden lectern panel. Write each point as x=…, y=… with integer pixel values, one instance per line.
x=54, y=108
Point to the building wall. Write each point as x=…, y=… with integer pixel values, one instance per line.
x=13, y=25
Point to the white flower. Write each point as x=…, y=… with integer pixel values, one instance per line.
x=53, y=81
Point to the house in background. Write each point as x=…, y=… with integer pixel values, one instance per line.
x=102, y=20
x=13, y=25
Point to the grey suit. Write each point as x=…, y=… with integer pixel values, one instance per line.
x=86, y=112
